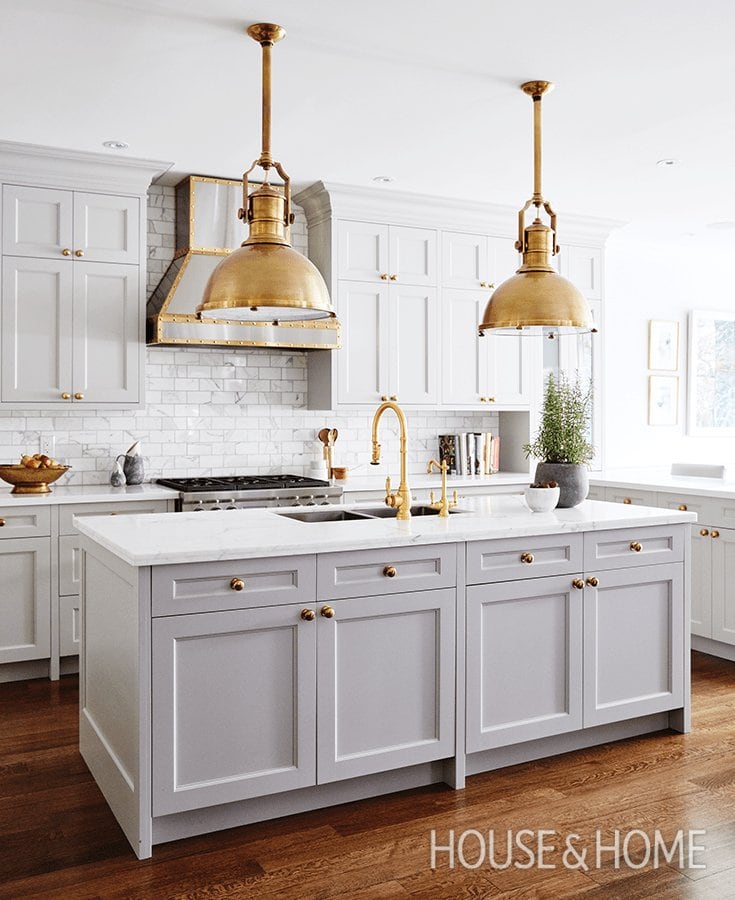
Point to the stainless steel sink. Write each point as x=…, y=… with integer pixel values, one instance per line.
x=386, y=512
x=325, y=515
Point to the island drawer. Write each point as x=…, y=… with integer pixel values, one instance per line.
x=628, y=547
x=514, y=558
x=391, y=570
x=116, y=508
x=20, y=522
x=240, y=584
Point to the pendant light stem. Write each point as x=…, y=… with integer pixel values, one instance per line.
x=265, y=155
x=537, y=196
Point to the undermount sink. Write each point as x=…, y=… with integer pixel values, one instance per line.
x=387, y=512
x=350, y=515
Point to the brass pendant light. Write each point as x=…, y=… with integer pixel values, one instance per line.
x=266, y=279
x=537, y=300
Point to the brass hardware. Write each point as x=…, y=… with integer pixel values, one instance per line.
x=237, y=584
x=66, y=252
x=394, y=278
x=627, y=500
x=636, y=545
x=79, y=253
x=714, y=533
x=78, y=396
x=383, y=276
x=401, y=499
x=444, y=505
x=308, y=615
x=682, y=507
x=66, y=396
x=592, y=581
x=390, y=572
x=266, y=279
x=537, y=297
x=527, y=558
x=483, y=399
x=393, y=397
x=491, y=399
x=2, y=522
x=578, y=584
x=384, y=397
x=327, y=612
x=704, y=532
x=483, y=284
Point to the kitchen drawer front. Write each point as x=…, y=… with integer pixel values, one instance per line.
x=707, y=509
x=19, y=522
x=391, y=570
x=69, y=624
x=70, y=565
x=532, y=557
x=725, y=512
x=240, y=584
x=627, y=547
x=119, y=508
x=631, y=496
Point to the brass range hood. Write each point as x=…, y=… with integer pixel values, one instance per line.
x=266, y=280
x=537, y=300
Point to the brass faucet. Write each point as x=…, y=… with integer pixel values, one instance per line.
x=400, y=499
x=443, y=505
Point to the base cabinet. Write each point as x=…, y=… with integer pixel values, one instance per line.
x=25, y=599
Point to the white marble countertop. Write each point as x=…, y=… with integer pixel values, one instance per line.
x=661, y=479
x=158, y=539
x=362, y=483
x=91, y=493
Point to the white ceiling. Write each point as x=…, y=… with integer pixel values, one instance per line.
x=421, y=90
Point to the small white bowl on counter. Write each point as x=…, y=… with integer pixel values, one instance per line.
x=541, y=499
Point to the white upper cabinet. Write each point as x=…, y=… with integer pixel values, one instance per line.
x=371, y=252
x=414, y=341
x=364, y=357
x=37, y=222
x=583, y=267
x=477, y=261
x=106, y=228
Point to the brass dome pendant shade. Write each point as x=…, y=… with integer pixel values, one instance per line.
x=266, y=279
x=537, y=300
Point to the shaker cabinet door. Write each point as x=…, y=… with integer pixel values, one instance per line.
x=364, y=359
x=106, y=228
x=414, y=347
x=25, y=599
x=37, y=222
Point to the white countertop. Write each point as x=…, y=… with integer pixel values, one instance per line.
x=158, y=539
x=361, y=483
x=662, y=480
x=92, y=493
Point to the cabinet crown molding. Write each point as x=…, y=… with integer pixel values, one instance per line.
x=322, y=201
x=77, y=169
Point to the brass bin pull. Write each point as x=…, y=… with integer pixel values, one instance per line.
x=527, y=558
x=308, y=615
x=578, y=584
x=237, y=584
x=390, y=572
x=636, y=545
x=327, y=612
x=592, y=581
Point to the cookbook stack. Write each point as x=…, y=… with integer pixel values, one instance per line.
x=470, y=453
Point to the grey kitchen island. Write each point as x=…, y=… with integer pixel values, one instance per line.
x=242, y=666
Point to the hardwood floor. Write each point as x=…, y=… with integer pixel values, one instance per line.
x=58, y=838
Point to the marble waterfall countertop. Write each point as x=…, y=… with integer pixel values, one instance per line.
x=159, y=539
x=91, y=493
x=660, y=479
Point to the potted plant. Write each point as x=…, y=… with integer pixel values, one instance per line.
x=561, y=443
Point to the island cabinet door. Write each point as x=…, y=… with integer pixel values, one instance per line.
x=723, y=584
x=633, y=643
x=702, y=579
x=385, y=683
x=524, y=661
x=233, y=706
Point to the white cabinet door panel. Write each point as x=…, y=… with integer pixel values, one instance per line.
x=70, y=565
x=524, y=661
x=464, y=260
x=503, y=259
x=36, y=221
x=464, y=369
x=106, y=228
x=363, y=250
x=702, y=580
x=69, y=626
x=412, y=255
x=415, y=348
x=385, y=683
x=634, y=632
x=723, y=585
x=36, y=329
x=106, y=328
x=364, y=358
x=233, y=706
x=508, y=369
x=25, y=599
x=583, y=267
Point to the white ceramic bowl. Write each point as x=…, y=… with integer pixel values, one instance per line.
x=541, y=499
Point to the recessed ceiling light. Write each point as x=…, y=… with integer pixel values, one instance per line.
x=384, y=179
x=115, y=145
x=667, y=163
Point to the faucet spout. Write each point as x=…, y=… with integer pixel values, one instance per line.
x=401, y=499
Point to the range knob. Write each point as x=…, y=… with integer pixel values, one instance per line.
x=215, y=506
x=311, y=501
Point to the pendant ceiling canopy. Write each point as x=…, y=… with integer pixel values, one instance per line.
x=266, y=279
x=537, y=300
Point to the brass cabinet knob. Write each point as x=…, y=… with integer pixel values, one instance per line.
x=393, y=397
x=66, y=252
x=682, y=507
x=636, y=545
x=308, y=615
x=592, y=581
x=483, y=284
x=66, y=396
x=491, y=399
x=483, y=399
x=79, y=253
x=383, y=276
x=491, y=285
x=627, y=500
x=704, y=531
x=327, y=612
x=390, y=572
x=527, y=558
x=394, y=278
x=78, y=396
x=237, y=584
x=2, y=522
x=578, y=584
x=714, y=533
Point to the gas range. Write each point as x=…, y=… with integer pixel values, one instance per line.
x=249, y=491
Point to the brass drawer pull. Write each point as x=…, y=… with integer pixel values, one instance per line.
x=636, y=545
x=627, y=500
x=237, y=584
x=578, y=584
x=308, y=615
x=592, y=581
x=327, y=612
x=682, y=507
x=714, y=533
x=704, y=532
x=390, y=572
x=527, y=558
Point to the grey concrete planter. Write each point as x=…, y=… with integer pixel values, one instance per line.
x=573, y=481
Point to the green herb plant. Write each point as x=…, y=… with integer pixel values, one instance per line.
x=562, y=436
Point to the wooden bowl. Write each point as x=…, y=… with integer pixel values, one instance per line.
x=31, y=481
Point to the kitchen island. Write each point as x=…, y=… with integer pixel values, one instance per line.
x=246, y=665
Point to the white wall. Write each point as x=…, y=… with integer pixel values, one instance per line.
x=650, y=279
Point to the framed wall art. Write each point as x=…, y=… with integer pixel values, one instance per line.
x=663, y=345
x=663, y=399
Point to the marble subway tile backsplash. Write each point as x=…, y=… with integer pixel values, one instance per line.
x=213, y=412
